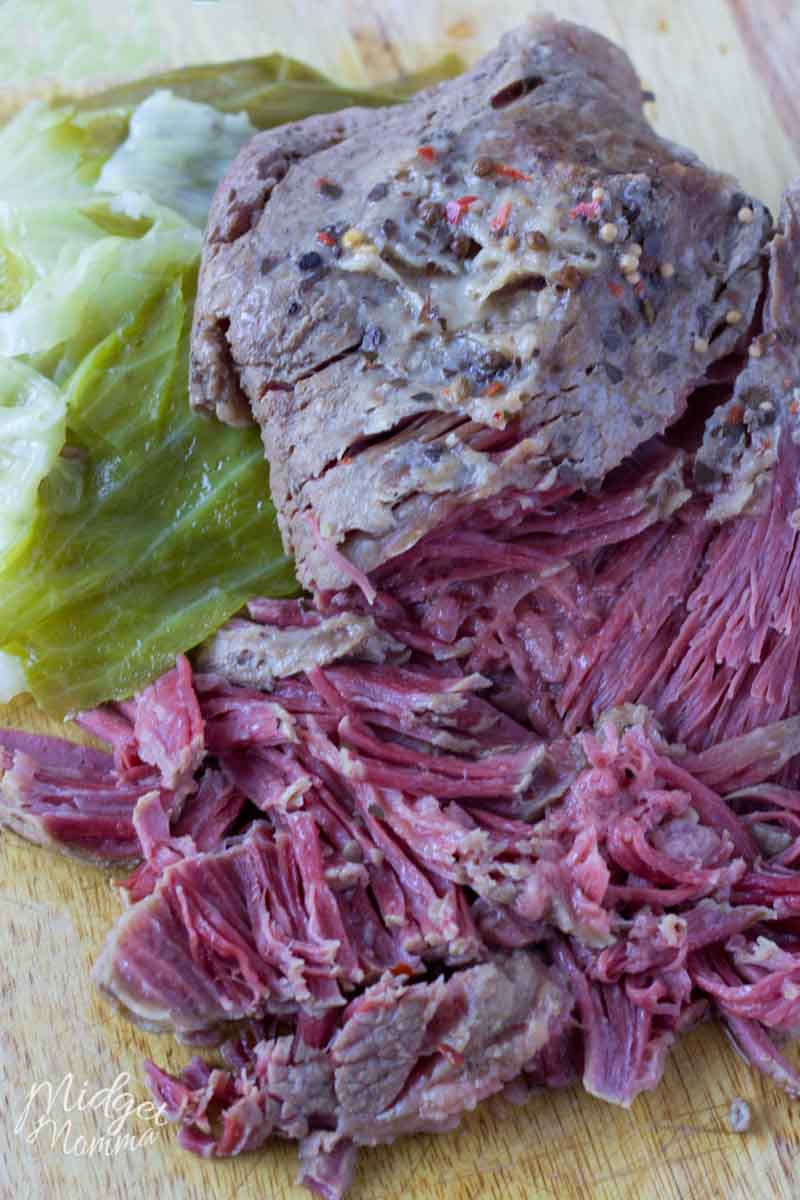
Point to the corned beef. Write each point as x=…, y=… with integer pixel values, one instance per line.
x=491, y=315
x=402, y=1058
x=651, y=888
x=515, y=800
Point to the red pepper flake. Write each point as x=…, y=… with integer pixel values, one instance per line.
x=615, y=289
x=402, y=969
x=450, y=1052
x=590, y=209
x=456, y=208
x=511, y=172
x=639, y=288
x=794, y=407
x=500, y=219
x=735, y=414
x=494, y=389
x=427, y=152
x=327, y=187
x=326, y=238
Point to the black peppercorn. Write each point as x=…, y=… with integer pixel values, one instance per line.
x=310, y=261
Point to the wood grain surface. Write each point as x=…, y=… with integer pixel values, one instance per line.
x=725, y=76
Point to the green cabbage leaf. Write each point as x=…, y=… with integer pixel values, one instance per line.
x=156, y=528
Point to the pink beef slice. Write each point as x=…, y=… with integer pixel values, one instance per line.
x=402, y=1058
x=168, y=727
x=243, y=930
x=68, y=798
x=425, y=305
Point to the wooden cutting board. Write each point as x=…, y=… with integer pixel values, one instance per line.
x=724, y=74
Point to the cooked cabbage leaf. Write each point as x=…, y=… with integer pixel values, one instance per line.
x=47, y=170
x=46, y=158
x=72, y=263
x=271, y=89
x=87, y=296
x=39, y=239
x=32, y=428
x=12, y=677
x=176, y=152
x=161, y=531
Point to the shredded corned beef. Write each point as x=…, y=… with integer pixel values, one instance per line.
x=500, y=806
x=631, y=595
x=580, y=903
x=400, y=1058
x=453, y=856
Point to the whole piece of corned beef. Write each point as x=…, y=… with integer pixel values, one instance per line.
x=514, y=800
x=509, y=282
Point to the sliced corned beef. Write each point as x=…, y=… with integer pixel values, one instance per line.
x=168, y=727
x=168, y=833
x=68, y=798
x=162, y=728
x=399, y=1059
x=237, y=932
